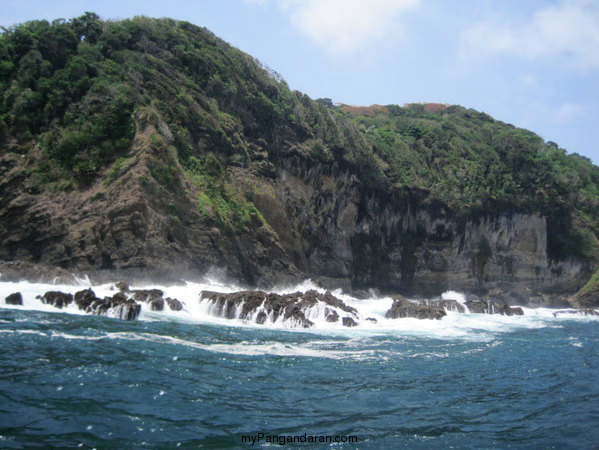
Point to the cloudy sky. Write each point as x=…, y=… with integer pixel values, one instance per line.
x=531, y=63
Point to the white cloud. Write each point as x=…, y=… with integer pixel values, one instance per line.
x=345, y=26
x=567, y=33
x=567, y=112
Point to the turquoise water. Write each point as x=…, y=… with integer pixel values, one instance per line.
x=72, y=380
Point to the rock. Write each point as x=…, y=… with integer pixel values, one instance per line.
x=152, y=296
x=582, y=312
x=122, y=286
x=331, y=315
x=448, y=305
x=174, y=304
x=269, y=306
x=14, y=299
x=57, y=299
x=261, y=318
x=402, y=308
x=84, y=299
x=157, y=305
x=118, y=306
x=349, y=322
x=146, y=295
x=493, y=307
x=372, y=319
x=516, y=311
x=476, y=306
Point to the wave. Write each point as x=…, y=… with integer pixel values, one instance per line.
x=470, y=326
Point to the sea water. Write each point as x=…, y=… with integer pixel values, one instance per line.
x=188, y=379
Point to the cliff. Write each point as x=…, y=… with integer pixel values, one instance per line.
x=152, y=148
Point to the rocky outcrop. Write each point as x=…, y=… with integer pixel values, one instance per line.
x=174, y=304
x=403, y=308
x=349, y=322
x=121, y=305
x=447, y=305
x=580, y=312
x=14, y=299
x=155, y=298
x=436, y=308
x=118, y=306
x=56, y=298
x=262, y=307
x=493, y=307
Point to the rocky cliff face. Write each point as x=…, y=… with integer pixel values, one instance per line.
x=320, y=221
x=367, y=238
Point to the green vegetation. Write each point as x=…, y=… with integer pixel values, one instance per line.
x=73, y=91
x=592, y=285
x=217, y=199
x=116, y=170
x=474, y=164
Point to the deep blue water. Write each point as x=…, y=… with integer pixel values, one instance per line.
x=69, y=380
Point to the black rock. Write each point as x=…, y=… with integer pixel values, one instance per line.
x=291, y=307
x=147, y=295
x=83, y=299
x=157, y=305
x=118, y=306
x=349, y=322
x=122, y=286
x=403, y=308
x=582, y=312
x=174, y=304
x=14, y=299
x=331, y=315
x=57, y=299
x=261, y=318
x=493, y=306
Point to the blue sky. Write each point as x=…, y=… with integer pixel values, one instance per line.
x=531, y=63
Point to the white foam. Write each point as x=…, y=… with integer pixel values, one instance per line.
x=478, y=327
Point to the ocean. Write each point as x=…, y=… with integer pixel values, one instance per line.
x=188, y=379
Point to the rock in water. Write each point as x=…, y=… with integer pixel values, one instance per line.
x=57, y=299
x=117, y=306
x=449, y=305
x=262, y=306
x=349, y=322
x=174, y=304
x=493, y=307
x=582, y=312
x=14, y=299
x=122, y=286
x=331, y=315
x=84, y=299
x=403, y=308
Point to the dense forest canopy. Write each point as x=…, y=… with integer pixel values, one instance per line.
x=73, y=92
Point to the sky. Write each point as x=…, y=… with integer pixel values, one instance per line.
x=531, y=63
